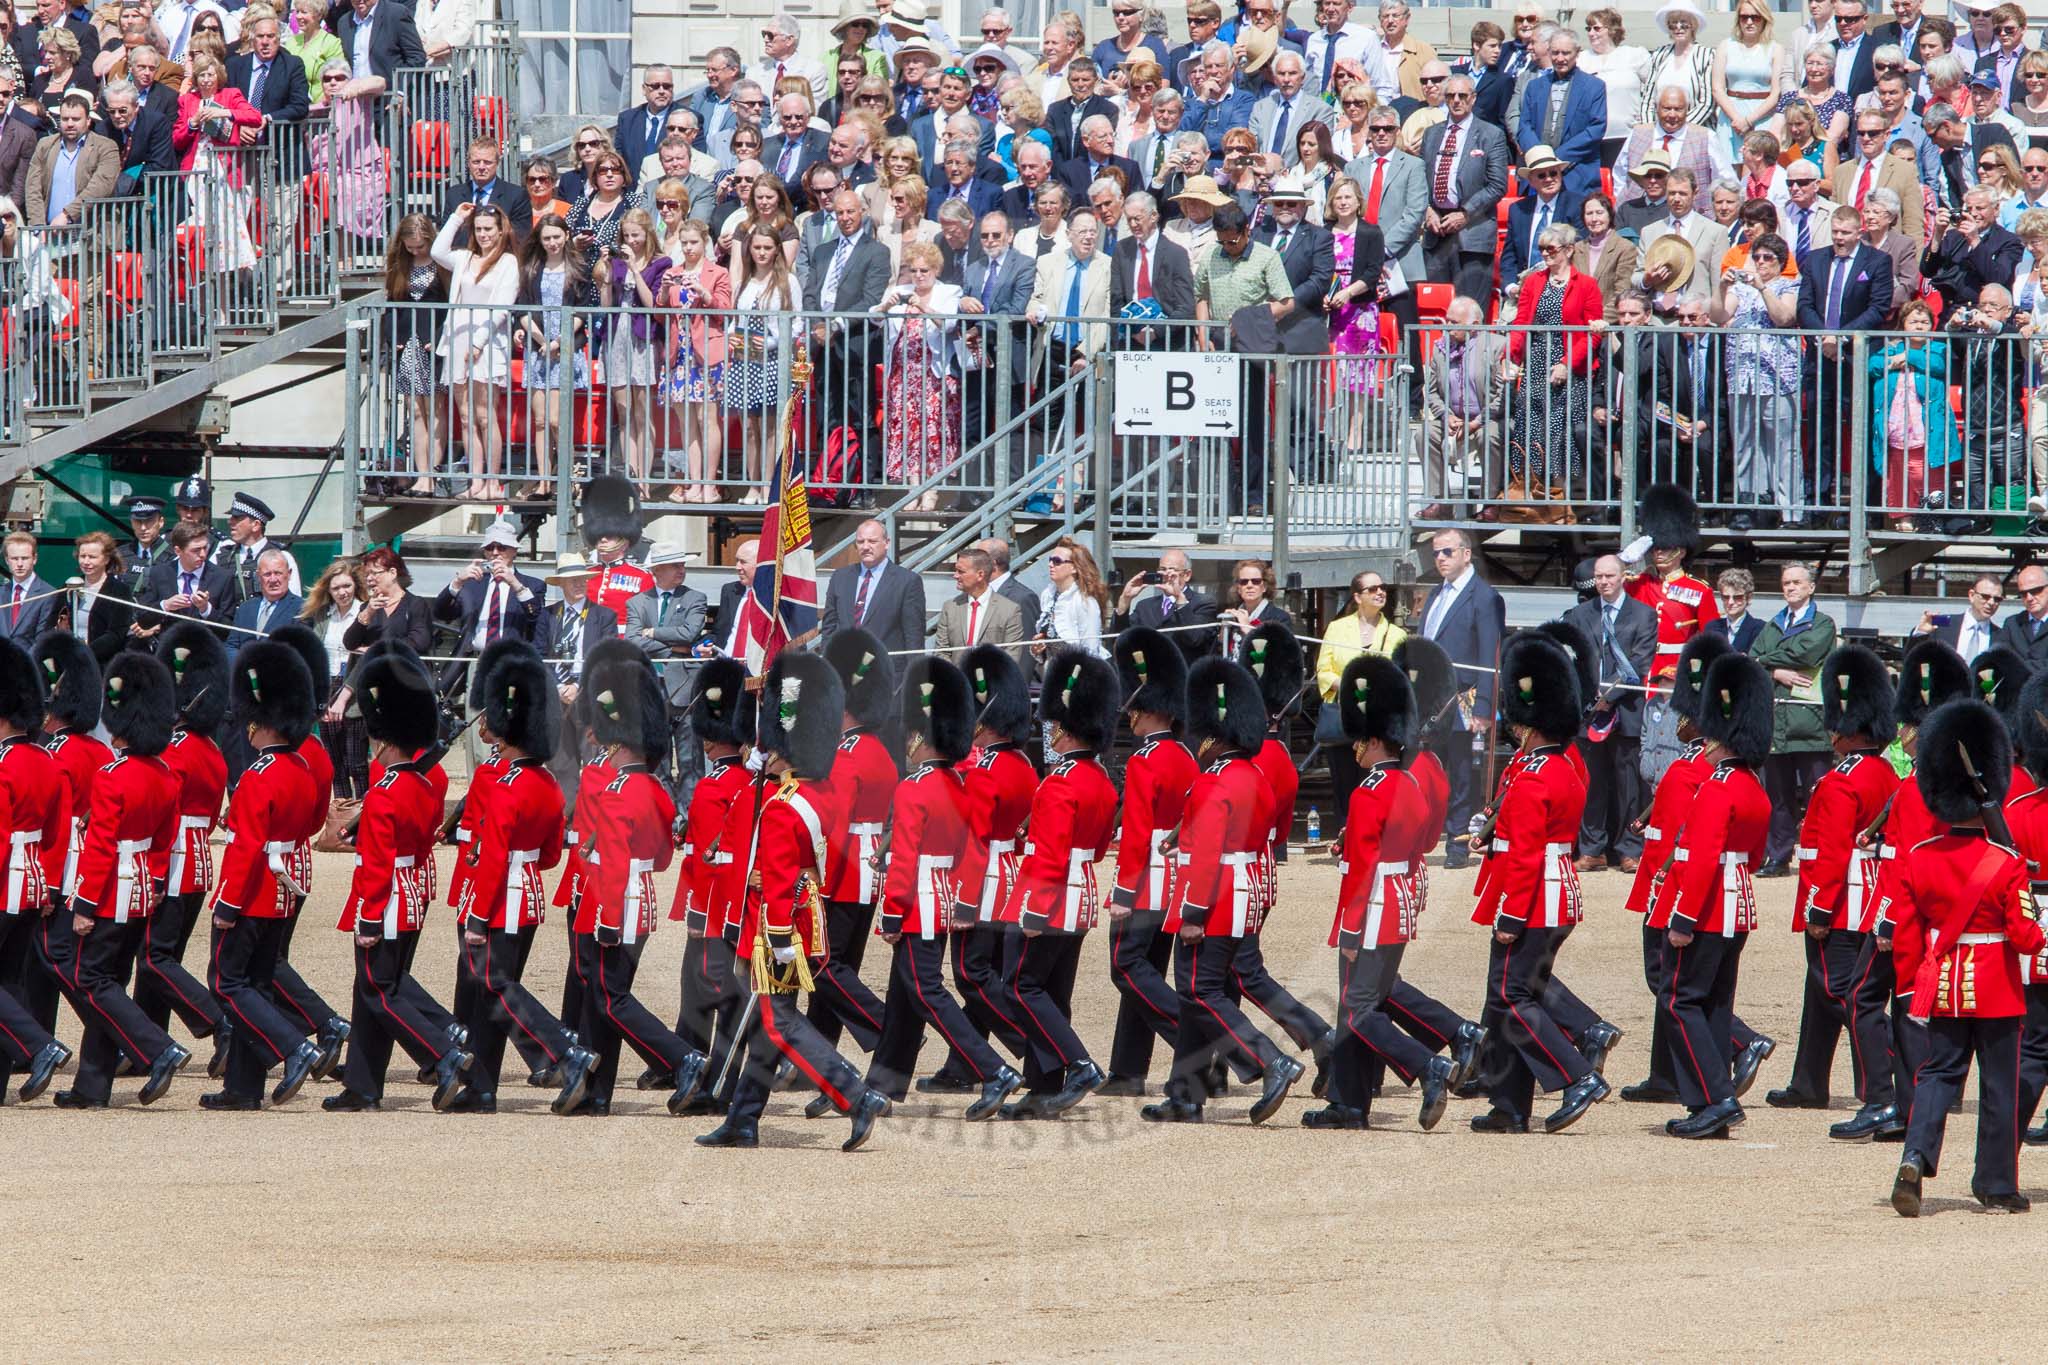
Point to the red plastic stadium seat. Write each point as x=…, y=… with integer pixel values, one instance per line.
x=1607, y=182
x=489, y=114
x=1434, y=300
x=125, y=274
x=1514, y=187
x=69, y=327
x=191, y=255
x=429, y=150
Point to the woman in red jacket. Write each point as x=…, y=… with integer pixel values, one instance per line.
x=1550, y=421
x=213, y=112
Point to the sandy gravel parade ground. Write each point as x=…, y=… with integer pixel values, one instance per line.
x=172, y=1234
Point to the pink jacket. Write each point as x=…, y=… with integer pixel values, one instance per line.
x=241, y=114
x=707, y=329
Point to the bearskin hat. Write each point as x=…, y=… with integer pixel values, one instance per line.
x=1002, y=697
x=867, y=674
x=141, y=706
x=1931, y=674
x=1430, y=674
x=629, y=706
x=1856, y=695
x=271, y=688
x=1670, y=518
x=804, y=700
x=1539, y=686
x=1694, y=660
x=199, y=670
x=1584, y=661
x=1998, y=674
x=504, y=647
x=1225, y=703
x=2029, y=729
x=1963, y=746
x=1735, y=707
x=715, y=701
x=312, y=650
x=610, y=507
x=1080, y=696
x=520, y=704
x=71, y=680
x=1376, y=702
x=21, y=688
x=1153, y=673
x=396, y=696
x=1274, y=657
x=938, y=707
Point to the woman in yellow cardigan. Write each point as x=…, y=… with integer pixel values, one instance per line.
x=1365, y=629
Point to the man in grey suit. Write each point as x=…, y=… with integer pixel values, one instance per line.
x=20, y=618
x=979, y=615
x=998, y=284
x=847, y=273
x=1396, y=209
x=664, y=623
x=1465, y=170
x=877, y=594
x=797, y=145
x=2026, y=632
x=1623, y=633
x=568, y=630
x=1467, y=618
x=1464, y=406
x=1168, y=277
x=1277, y=118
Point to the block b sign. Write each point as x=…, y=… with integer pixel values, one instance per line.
x=1178, y=394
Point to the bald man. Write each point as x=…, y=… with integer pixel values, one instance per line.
x=1623, y=633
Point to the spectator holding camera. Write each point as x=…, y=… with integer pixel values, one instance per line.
x=1969, y=251
x=1988, y=357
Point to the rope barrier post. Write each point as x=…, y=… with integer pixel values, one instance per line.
x=1105, y=454
x=1280, y=461
x=1631, y=422
x=1859, y=568
x=354, y=533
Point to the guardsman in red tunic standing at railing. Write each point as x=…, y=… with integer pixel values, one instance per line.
x=1670, y=523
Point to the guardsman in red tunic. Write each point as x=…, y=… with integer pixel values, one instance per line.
x=1930, y=675
x=1000, y=786
x=721, y=895
x=632, y=837
x=1963, y=917
x=1836, y=900
x=1670, y=524
x=1273, y=656
x=1157, y=776
x=518, y=837
x=31, y=801
x=609, y=516
x=71, y=676
x=1707, y=905
x=389, y=895
x=1528, y=891
x=864, y=779
x=1387, y=822
x=782, y=924
x=595, y=774
x=1054, y=902
x=272, y=700
x=2026, y=819
x=199, y=668
x=929, y=833
x=711, y=992
x=1216, y=896
x=132, y=817
x=316, y=1017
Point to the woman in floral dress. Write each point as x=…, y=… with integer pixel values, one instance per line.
x=921, y=374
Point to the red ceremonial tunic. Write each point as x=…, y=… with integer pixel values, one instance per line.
x=1157, y=780
x=1668, y=809
x=930, y=831
x=1837, y=878
x=33, y=808
x=1683, y=605
x=321, y=765
x=1964, y=918
x=1073, y=815
x=614, y=585
x=133, y=817
x=437, y=778
x=789, y=859
x=1433, y=786
x=1283, y=783
x=1527, y=876
x=1909, y=824
x=595, y=777
x=487, y=772
x=80, y=756
x=518, y=837
x=1221, y=842
x=1709, y=890
x=722, y=886
x=271, y=805
x=862, y=788
x=390, y=891
x=202, y=781
x=703, y=852
x=1386, y=821
x=2026, y=818
x=632, y=837
x=1001, y=784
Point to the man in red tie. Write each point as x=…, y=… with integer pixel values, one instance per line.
x=1150, y=267
x=489, y=597
x=30, y=601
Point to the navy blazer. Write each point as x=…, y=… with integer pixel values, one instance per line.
x=1866, y=297
x=1075, y=175
x=1635, y=634
x=285, y=613
x=500, y=192
x=1063, y=121
x=464, y=605
x=217, y=581
x=1585, y=124
x=286, y=98
x=811, y=149
x=394, y=36
x=1310, y=259
x=148, y=147
x=1516, y=259
x=895, y=614
x=1752, y=625
x=982, y=197
x=35, y=617
x=630, y=136
x=1471, y=634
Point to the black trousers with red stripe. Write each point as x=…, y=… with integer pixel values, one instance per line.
x=1951, y=1045
x=297, y=999
x=503, y=1007
x=779, y=1029
x=18, y=965
x=575, y=989
x=1700, y=1008
x=97, y=987
x=917, y=1000
x=1139, y=950
x=1884, y=1031
x=1422, y=1017
x=714, y=997
x=1255, y=983
x=1826, y=1011
x=1527, y=1046
x=1657, y=976
x=1211, y=1024
x=433, y=1011
x=1368, y=1042
x=38, y=978
x=2033, y=1052
x=984, y=960
x=613, y=1015
x=842, y=999
x=1042, y=994
x=383, y=1013
x=243, y=959
x=162, y=985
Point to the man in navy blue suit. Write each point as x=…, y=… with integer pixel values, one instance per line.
x=958, y=181
x=1845, y=288
x=1467, y=618
x=1549, y=201
x=1566, y=109
x=640, y=129
x=486, y=186
x=489, y=598
x=272, y=80
x=1736, y=624
x=275, y=605
x=142, y=135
